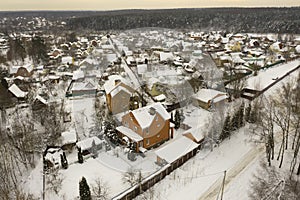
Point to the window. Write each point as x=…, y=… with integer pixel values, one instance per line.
x=158, y=125
x=147, y=131
x=147, y=141
x=158, y=135
x=135, y=128
x=156, y=118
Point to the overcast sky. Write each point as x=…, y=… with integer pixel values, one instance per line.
x=133, y=4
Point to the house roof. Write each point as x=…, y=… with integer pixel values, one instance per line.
x=14, y=69
x=164, y=56
x=197, y=132
x=78, y=74
x=85, y=85
x=129, y=133
x=207, y=94
x=110, y=84
x=17, y=91
x=87, y=143
x=118, y=89
x=176, y=149
x=144, y=118
x=69, y=137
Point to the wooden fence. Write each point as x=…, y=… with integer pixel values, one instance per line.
x=155, y=177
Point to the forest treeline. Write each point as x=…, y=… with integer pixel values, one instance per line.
x=261, y=20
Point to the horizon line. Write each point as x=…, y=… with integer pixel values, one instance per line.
x=175, y=8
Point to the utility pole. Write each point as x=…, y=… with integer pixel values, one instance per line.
x=223, y=185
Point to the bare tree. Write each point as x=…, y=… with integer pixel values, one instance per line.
x=100, y=190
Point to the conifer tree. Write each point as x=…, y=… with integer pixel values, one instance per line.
x=247, y=113
x=177, y=119
x=226, y=131
x=84, y=190
x=65, y=160
x=80, y=156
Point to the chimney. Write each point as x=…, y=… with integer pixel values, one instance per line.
x=117, y=81
x=152, y=111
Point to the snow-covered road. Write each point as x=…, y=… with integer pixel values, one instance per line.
x=232, y=173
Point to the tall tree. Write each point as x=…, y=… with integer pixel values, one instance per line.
x=80, y=156
x=84, y=190
x=226, y=131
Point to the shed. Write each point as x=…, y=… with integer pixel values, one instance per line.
x=175, y=150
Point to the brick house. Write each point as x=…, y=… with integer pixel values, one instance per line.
x=146, y=127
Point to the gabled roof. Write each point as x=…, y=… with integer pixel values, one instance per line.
x=85, y=85
x=197, y=132
x=69, y=137
x=110, y=84
x=206, y=95
x=129, y=133
x=144, y=118
x=176, y=149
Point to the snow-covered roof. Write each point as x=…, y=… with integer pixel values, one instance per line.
x=67, y=59
x=207, y=94
x=197, y=132
x=144, y=118
x=87, y=143
x=176, y=149
x=84, y=85
x=110, y=84
x=129, y=133
x=160, y=97
x=118, y=89
x=142, y=68
x=17, y=91
x=164, y=56
x=78, y=74
x=69, y=137
x=41, y=99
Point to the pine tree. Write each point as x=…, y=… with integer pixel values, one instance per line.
x=241, y=122
x=172, y=117
x=234, y=124
x=65, y=160
x=80, y=157
x=226, y=131
x=177, y=119
x=84, y=190
x=247, y=113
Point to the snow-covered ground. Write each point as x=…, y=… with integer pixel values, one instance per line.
x=267, y=77
x=205, y=171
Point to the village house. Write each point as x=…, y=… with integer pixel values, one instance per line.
x=118, y=93
x=208, y=98
x=85, y=87
x=24, y=71
x=146, y=127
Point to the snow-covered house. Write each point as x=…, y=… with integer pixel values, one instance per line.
x=88, y=144
x=176, y=152
x=146, y=127
x=196, y=134
x=85, y=87
x=24, y=71
x=118, y=93
x=207, y=98
x=69, y=139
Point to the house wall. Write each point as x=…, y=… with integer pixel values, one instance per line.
x=158, y=131
x=120, y=102
x=199, y=103
x=83, y=92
